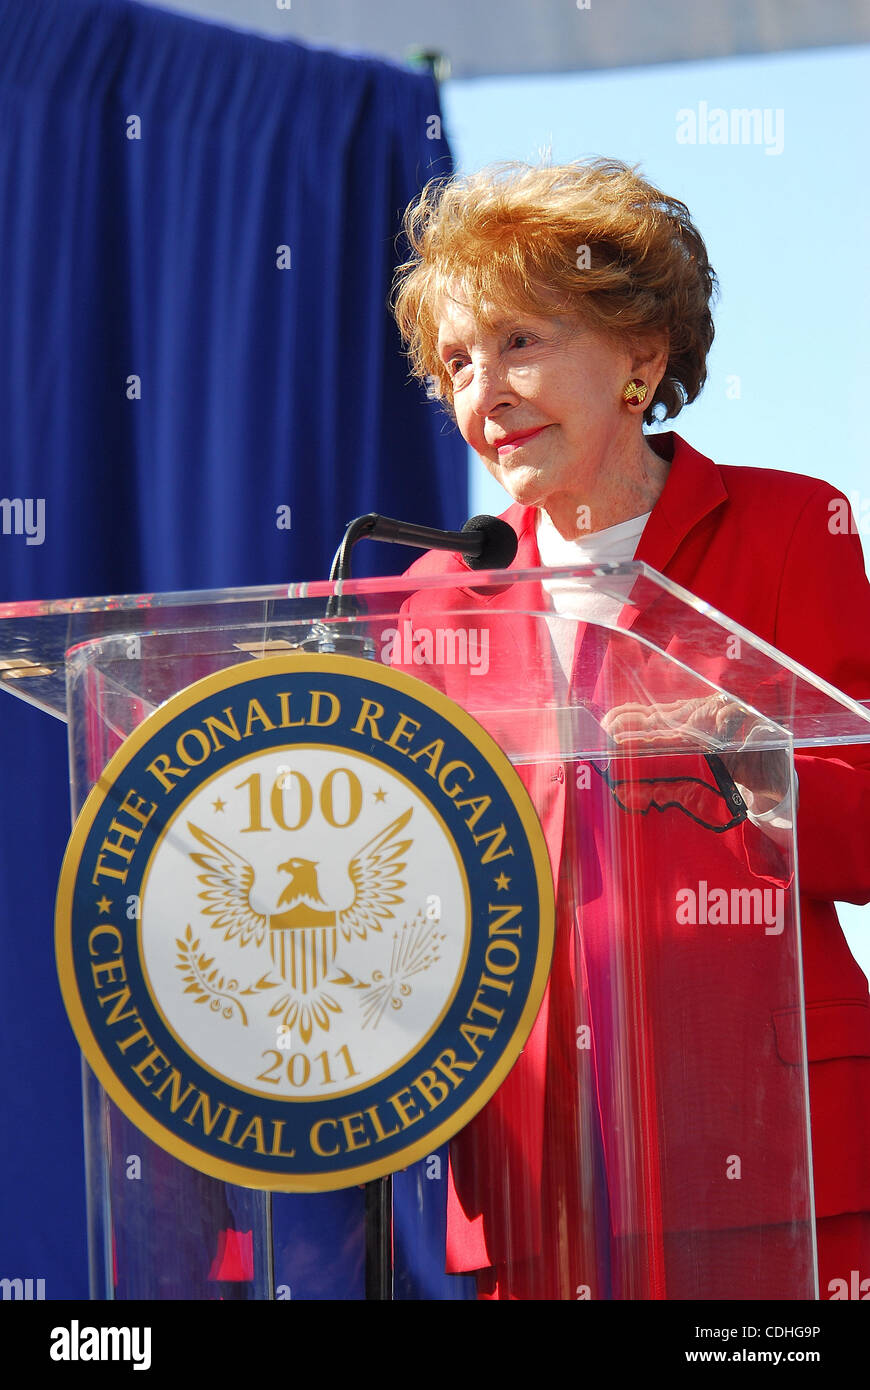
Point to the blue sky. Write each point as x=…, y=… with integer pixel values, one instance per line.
x=788, y=233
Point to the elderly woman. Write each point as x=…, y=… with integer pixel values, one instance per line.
x=557, y=310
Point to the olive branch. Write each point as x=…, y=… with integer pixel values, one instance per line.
x=203, y=979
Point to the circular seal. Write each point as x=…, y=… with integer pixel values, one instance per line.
x=304, y=922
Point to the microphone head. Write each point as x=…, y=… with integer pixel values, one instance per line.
x=499, y=543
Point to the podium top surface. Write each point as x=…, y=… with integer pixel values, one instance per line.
x=641, y=615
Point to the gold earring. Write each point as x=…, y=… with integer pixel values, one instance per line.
x=634, y=392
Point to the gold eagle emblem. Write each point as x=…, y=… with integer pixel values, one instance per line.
x=305, y=932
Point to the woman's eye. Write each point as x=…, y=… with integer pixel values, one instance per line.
x=521, y=340
x=457, y=368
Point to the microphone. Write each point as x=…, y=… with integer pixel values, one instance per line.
x=498, y=543
x=485, y=542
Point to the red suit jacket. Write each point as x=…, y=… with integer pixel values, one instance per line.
x=762, y=547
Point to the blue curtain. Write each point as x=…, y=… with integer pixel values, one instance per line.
x=197, y=235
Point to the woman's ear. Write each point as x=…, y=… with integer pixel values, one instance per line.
x=649, y=362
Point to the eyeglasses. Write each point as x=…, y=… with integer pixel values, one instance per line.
x=716, y=805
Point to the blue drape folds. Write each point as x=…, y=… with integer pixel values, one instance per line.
x=197, y=235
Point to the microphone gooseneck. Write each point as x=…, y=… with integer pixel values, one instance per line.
x=485, y=542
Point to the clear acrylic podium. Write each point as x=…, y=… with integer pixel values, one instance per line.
x=653, y=1139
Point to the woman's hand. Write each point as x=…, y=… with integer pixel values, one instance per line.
x=705, y=723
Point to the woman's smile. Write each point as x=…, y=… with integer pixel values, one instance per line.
x=516, y=441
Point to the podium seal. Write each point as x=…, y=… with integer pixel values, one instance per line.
x=304, y=922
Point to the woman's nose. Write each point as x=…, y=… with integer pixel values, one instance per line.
x=490, y=388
